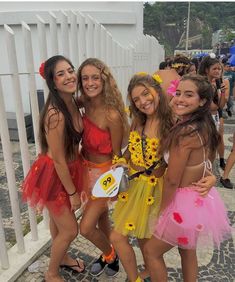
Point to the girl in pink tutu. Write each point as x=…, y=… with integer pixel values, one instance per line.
x=188, y=219
x=54, y=180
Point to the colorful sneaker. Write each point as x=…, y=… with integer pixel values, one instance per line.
x=112, y=268
x=98, y=266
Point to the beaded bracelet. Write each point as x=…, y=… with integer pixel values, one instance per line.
x=70, y=195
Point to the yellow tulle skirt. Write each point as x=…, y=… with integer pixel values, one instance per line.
x=134, y=207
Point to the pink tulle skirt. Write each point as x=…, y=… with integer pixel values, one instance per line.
x=42, y=186
x=191, y=220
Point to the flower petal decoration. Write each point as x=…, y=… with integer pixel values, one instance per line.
x=198, y=202
x=142, y=73
x=182, y=240
x=42, y=70
x=152, y=180
x=130, y=226
x=171, y=90
x=177, y=217
x=157, y=78
x=123, y=196
x=150, y=200
x=199, y=227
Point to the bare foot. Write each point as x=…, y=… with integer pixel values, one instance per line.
x=52, y=277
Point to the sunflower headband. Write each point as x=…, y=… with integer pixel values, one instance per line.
x=178, y=65
x=156, y=77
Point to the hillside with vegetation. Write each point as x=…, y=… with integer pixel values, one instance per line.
x=166, y=21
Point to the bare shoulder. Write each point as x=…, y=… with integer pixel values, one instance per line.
x=54, y=118
x=113, y=115
x=189, y=138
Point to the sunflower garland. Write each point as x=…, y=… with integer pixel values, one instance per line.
x=135, y=148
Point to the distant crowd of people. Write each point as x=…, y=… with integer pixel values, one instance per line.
x=168, y=147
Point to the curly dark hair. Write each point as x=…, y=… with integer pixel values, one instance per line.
x=57, y=104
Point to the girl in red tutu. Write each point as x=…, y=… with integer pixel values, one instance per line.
x=54, y=180
x=188, y=219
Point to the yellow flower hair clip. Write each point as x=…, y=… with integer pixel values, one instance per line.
x=142, y=73
x=157, y=78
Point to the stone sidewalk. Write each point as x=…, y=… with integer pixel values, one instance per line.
x=214, y=265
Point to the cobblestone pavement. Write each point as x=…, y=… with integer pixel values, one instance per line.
x=214, y=265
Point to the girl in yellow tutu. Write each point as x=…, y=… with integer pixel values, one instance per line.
x=152, y=121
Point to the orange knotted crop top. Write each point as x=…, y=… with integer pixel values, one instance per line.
x=95, y=140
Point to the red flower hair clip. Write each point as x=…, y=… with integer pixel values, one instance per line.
x=42, y=69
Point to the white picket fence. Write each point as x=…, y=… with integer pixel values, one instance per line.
x=77, y=37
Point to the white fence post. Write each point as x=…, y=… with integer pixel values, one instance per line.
x=103, y=44
x=90, y=37
x=97, y=38
x=3, y=254
x=10, y=173
x=81, y=37
x=42, y=48
x=65, y=35
x=53, y=34
x=74, y=39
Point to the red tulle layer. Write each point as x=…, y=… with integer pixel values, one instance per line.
x=42, y=186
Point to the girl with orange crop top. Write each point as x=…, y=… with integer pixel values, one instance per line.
x=105, y=127
x=188, y=219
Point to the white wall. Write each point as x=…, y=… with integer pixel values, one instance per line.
x=124, y=20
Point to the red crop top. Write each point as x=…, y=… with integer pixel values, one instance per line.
x=95, y=140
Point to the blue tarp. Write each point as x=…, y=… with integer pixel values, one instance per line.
x=232, y=60
x=232, y=50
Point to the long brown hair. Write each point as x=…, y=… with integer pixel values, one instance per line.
x=57, y=104
x=163, y=112
x=201, y=120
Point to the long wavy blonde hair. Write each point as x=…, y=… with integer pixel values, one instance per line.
x=111, y=94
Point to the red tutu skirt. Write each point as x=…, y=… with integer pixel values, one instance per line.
x=191, y=220
x=42, y=186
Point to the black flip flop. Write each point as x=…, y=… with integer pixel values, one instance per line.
x=71, y=267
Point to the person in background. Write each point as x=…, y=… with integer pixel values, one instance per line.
x=162, y=65
x=195, y=61
x=180, y=64
x=186, y=218
x=211, y=68
x=105, y=129
x=230, y=75
x=191, y=69
x=55, y=178
x=225, y=181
